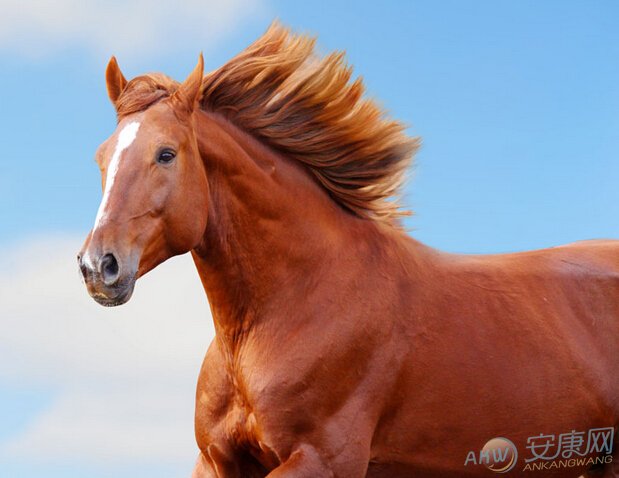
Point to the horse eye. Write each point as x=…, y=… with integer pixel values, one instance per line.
x=166, y=156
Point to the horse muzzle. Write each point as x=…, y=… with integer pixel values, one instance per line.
x=109, y=281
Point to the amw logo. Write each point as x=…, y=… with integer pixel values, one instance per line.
x=499, y=455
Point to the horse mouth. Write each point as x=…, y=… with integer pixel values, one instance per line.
x=118, y=296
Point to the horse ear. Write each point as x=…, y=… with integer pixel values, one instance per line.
x=189, y=91
x=115, y=80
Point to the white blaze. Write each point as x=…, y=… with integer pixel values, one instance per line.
x=125, y=138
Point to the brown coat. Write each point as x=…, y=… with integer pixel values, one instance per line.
x=344, y=348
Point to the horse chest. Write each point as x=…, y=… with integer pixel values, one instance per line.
x=228, y=430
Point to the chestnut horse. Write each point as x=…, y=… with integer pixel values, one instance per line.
x=343, y=347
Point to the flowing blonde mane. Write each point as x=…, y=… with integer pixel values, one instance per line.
x=306, y=107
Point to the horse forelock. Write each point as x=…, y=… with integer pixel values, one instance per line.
x=144, y=91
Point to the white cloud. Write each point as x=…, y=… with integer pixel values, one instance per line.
x=126, y=28
x=125, y=377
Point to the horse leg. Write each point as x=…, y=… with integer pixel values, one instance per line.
x=217, y=465
x=306, y=462
x=609, y=470
x=203, y=468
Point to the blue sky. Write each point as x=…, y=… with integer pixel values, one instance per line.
x=517, y=103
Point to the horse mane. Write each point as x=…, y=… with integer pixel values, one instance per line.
x=305, y=106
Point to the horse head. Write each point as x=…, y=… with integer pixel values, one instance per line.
x=155, y=190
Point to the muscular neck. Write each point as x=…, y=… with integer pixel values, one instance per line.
x=270, y=228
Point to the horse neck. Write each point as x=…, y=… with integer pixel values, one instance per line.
x=270, y=226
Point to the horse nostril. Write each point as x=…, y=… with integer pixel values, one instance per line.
x=109, y=269
x=83, y=270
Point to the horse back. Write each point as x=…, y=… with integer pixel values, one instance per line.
x=504, y=345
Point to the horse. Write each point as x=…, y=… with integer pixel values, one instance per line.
x=343, y=346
